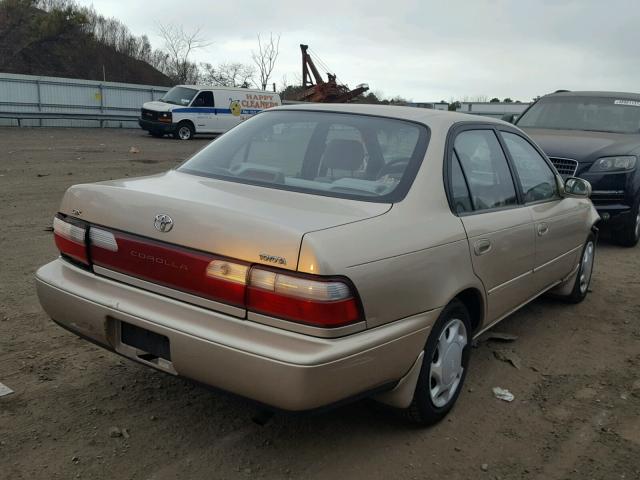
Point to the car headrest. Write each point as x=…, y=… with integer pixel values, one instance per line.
x=344, y=154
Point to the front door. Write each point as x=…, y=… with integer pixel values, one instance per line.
x=500, y=230
x=203, y=109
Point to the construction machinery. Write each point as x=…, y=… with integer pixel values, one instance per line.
x=316, y=89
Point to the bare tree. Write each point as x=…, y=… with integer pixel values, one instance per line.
x=179, y=45
x=265, y=58
x=228, y=74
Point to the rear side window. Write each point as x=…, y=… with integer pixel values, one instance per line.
x=536, y=177
x=334, y=154
x=486, y=169
x=459, y=189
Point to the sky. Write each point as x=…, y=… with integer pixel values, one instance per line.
x=420, y=50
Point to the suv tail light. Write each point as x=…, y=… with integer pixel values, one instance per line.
x=70, y=239
x=321, y=303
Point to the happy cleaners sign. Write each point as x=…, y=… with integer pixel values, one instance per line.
x=258, y=101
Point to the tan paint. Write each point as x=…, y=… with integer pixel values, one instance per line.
x=407, y=262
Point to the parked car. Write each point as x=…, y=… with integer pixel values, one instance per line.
x=186, y=110
x=321, y=253
x=596, y=136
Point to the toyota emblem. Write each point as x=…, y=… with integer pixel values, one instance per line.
x=163, y=223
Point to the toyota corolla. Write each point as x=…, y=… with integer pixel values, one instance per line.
x=317, y=254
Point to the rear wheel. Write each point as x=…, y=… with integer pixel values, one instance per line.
x=628, y=234
x=184, y=131
x=444, y=368
x=585, y=271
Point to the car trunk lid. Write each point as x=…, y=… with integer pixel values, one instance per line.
x=245, y=222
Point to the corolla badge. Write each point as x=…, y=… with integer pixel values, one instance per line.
x=163, y=222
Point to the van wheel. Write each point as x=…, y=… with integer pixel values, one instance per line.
x=184, y=131
x=444, y=368
x=628, y=234
x=585, y=271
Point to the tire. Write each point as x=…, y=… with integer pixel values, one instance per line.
x=585, y=271
x=629, y=233
x=184, y=131
x=156, y=134
x=452, y=332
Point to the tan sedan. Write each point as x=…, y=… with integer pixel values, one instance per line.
x=320, y=253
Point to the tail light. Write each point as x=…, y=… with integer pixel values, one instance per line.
x=321, y=303
x=175, y=267
x=298, y=298
x=70, y=239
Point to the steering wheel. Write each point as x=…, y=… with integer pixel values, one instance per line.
x=394, y=166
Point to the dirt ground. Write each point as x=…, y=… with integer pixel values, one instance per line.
x=576, y=414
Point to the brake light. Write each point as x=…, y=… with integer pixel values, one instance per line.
x=70, y=239
x=291, y=296
x=321, y=303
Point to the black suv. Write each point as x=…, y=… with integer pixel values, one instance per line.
x=595, y=136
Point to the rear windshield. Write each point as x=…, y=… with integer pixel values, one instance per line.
x=335, y=154
x=599, y=114
x=179, y=96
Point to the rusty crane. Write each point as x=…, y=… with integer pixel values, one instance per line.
x=316, y=89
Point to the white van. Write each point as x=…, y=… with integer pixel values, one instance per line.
x=189, y=109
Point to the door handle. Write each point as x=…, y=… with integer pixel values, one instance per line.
x=543, y=228
x=482, y=246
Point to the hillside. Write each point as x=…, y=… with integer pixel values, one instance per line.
x=35, y=42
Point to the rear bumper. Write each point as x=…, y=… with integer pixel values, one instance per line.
x=150, y=125
x=275, y=367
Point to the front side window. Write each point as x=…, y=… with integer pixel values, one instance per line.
x=536, y=177
x=335, y=154
x=486, y=169
x=204, y=99
x=179, y=96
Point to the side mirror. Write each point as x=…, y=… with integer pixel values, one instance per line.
x=577, y=188
x=509, y=117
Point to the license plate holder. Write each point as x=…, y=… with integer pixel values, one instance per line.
x=151, y=343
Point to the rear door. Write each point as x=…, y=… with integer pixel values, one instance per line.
x=558, y=223
x=500, y=229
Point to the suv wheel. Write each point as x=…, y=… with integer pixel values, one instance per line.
x=444, y=368
x=629, y=233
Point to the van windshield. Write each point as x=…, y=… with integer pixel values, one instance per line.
x=334, y=154
x=179, y=96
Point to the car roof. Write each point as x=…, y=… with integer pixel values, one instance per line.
x=627, y=95
x=426, y=116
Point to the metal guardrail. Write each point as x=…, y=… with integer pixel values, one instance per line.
x=19, y=116
x=38, y=101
